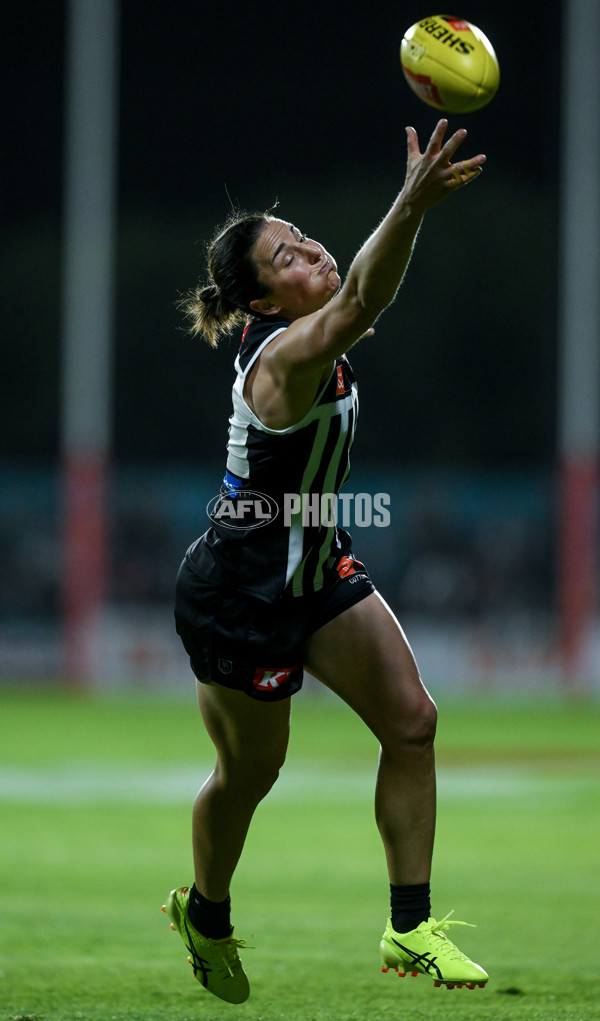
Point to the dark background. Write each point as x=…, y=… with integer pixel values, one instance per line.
x=305, y=104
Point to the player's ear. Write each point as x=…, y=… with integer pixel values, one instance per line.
x=265, y=307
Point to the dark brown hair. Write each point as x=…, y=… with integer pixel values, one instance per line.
x=223, y=302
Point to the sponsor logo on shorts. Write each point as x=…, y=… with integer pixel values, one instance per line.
x=352, y=569
x=269, y=680
x=345, y=567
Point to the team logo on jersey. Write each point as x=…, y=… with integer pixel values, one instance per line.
x=270, y=680
x=243, y=509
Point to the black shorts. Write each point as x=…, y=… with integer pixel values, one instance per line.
x=242, y=642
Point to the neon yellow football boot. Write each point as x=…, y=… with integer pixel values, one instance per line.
x=216, y=962
x=428, y=950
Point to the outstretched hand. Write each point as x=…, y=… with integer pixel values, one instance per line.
x=431, y=176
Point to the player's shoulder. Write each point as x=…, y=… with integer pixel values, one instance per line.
x=255, y=334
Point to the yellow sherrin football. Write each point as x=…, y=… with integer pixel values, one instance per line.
x=450, y=64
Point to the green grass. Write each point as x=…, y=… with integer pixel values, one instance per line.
x=95, y=800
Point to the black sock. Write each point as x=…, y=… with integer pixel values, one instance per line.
x=209, y=917
x=411, y=905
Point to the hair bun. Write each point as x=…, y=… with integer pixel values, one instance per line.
x=224, y=301
x=208, y=294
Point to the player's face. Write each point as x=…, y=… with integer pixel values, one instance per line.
x=300, y=276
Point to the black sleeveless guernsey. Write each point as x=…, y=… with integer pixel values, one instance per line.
x=294, y=468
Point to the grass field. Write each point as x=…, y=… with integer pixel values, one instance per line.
x=95, y=805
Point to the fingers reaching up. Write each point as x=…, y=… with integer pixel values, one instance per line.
x=431, y=176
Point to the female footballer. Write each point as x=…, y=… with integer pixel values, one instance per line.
x=261, y=597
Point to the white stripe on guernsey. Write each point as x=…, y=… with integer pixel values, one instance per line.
x=295, y=568
x=238, y=461
x=296, y=540
x=330, y=487
x=295, y=547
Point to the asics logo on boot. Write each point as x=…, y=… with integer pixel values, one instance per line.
x=198, y=963
x=425, y=960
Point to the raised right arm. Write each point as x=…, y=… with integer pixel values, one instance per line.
x=377, y=270
x=292, y=367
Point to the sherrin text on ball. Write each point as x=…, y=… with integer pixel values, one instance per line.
x=450, y=64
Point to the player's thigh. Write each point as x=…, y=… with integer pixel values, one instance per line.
x=247, y=733
x=364, y=657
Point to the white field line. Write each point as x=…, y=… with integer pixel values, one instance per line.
x=80, y=783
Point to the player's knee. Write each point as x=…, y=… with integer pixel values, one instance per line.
x=254, y=775
x=412, y=725
x=265, y=776
x=424, y=723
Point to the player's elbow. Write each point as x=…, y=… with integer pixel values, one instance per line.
x=373, y=299
x=358, y=313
